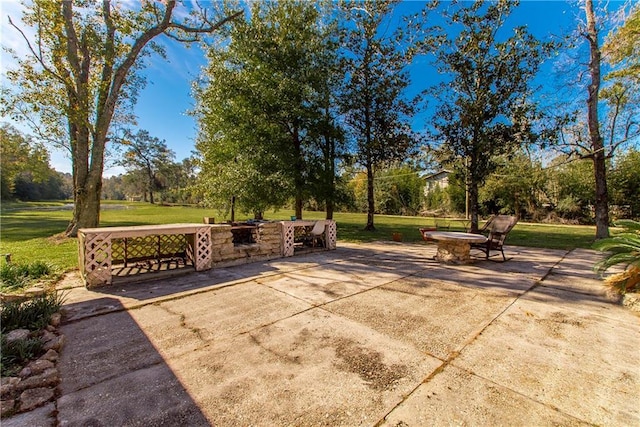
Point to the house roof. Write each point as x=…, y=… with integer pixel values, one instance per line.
x=437, y=175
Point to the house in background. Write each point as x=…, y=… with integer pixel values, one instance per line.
x=439, y=180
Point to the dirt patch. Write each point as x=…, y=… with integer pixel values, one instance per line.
x=557, y=322
x=58, y=239
x=368, y=365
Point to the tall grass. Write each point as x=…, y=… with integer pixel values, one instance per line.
x=14, y=276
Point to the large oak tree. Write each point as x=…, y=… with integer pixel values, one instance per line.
x=83, y=69
x=485, y=108
x=264, y=108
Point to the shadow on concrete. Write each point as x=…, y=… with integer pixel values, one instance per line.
x=108, y=362
x=356, y=267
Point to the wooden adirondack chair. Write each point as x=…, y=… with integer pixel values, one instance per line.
x=496, y=230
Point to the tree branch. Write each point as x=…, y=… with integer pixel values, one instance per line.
x=38, y=57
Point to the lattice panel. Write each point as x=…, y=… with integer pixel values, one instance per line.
x=331, y=231
x=288, y=235
x=97, y=259
x=149, y=247
x=203, y=249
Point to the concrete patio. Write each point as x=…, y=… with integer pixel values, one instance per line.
x=372, y=334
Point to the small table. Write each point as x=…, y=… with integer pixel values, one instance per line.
x=454, y=247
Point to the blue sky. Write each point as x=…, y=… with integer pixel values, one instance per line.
x=162, y=105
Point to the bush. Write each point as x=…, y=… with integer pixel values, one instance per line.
x=17, y=353
x=623, y=248
x=33, y=314
x=15, y=276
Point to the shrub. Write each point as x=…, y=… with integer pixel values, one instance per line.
x=33, y=314
x=17, y=353
x=623, y=248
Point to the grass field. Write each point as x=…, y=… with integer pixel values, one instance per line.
x=31, y=231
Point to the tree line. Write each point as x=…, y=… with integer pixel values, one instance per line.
x=297, y=94
x=25, y=173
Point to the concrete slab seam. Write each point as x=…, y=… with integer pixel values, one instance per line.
x=185, y=294
x=319, y=306
x=453, y=355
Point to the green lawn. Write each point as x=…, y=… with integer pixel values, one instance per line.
x=31, y=231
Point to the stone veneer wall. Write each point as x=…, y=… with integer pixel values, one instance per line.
x=268, y=237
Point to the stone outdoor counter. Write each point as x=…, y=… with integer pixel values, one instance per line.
x=109, y=255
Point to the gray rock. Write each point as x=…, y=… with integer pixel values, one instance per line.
x=7, y=407
x=35, y=397
x=17, y=335
x=48, y=378
x=8, y=385
x=55, y=319
x=56, y=343
x=39, y=417
x=39, y=366
x=50, y=355
x=47, y=336
x=25, y=372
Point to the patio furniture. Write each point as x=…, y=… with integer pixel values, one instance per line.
x=442, y=224
x=424, y=231
x=454, y=247
x=290, y=230
x=439, y=224
x=102, y=250
x=317, y=233
x=498, y=227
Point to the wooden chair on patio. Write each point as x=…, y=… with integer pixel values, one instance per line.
x=496, y=230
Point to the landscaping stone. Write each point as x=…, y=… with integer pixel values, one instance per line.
x=55, y=319
x=7, y=407
x=34, y=397
x=36, y=367
x=49, y=378
x=35, y=291
x=17, y=335
x=35, y=386
x=54, y=343
x=8, y=386
x=632, y=301
x=43, y=416
x=51, y=355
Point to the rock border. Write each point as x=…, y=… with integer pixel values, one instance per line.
x=37, y=383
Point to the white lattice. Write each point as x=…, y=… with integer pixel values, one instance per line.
x=331, y=231
x=203, y=249
x=97, y=259
x=288, y=234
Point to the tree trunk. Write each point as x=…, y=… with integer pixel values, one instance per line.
x=371, y=204
x=329, y=208
x=299, y=169
x=597, y=143
x=86, y=200
x=473, y=206
x=88, y=141
x=329, y=172
x=233, y=208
